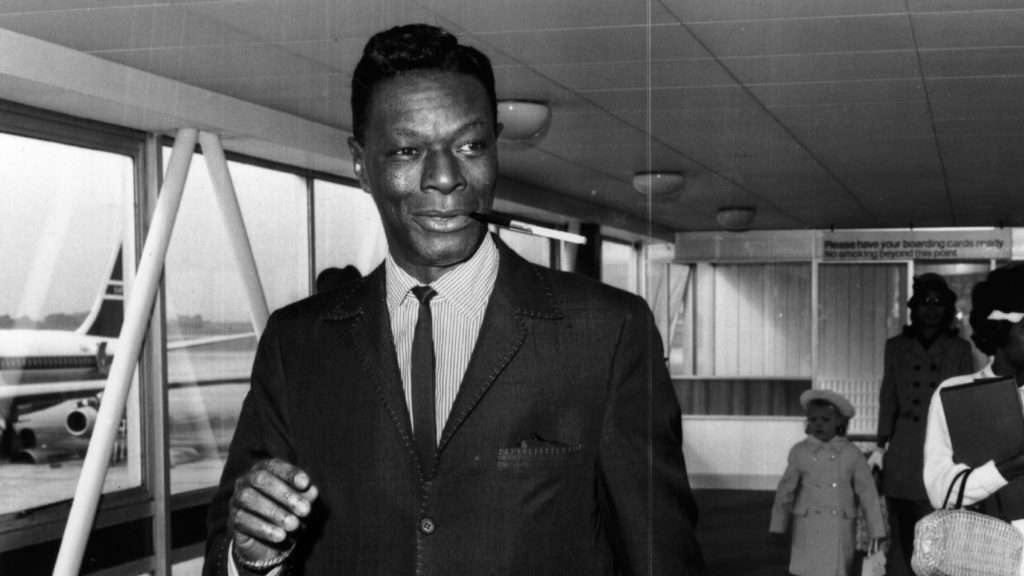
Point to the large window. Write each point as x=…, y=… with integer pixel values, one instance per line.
x=348, y=228
x=63, y=220
x=211, y=331
x=619, y=264
x=535, y=249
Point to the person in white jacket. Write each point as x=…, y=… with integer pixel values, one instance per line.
x=825, y=481
x=997, y=311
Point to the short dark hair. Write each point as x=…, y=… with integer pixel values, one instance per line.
x=413, y=48
x=1002, y=290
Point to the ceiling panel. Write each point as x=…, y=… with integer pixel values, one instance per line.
x=590, y=45
x=545, y=14
x=839, y=67
x=806, y=36
x=973, y=29
x=730, y=10
x=817, y=112
x=123, y=28
x=838, y=93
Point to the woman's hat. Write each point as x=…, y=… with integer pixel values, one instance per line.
x=837, y=400
x=931, y=282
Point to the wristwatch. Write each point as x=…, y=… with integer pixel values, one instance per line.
x=261, y=566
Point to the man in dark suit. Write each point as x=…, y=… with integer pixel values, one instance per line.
x=549, y=441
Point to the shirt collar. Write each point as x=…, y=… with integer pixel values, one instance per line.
x=462, y=286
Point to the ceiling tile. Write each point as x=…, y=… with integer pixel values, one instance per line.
x=731, y=10
x=831, y=93
x=781, y=69
x=806, y=36
x=976, y=29
x=220, y=62
x=589, y=46
x=999, y=61
x=124, y=28
x=533, y=15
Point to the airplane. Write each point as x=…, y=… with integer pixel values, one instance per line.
x=51, y=381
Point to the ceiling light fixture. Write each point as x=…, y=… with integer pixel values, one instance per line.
x=659, y=184
x=523, y=121
x=736, y=218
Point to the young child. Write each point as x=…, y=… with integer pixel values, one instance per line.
x=826, y=479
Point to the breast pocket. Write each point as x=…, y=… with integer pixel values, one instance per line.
x=538, y=458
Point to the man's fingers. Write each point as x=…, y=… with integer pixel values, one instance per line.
x=272, y=500
x=287, y=472
x=283, y=483
x=299, y=492
x=256, y=526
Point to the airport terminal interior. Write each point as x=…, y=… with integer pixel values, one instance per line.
x=769, y=176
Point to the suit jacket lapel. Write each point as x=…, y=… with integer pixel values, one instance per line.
x=501, y=335
x=519, y=290
x=366, y=315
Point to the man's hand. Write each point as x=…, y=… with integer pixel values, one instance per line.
x=267, y=509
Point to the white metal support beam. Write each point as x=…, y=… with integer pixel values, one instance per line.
x=137, y=315
x=231, y=212
x=133, y=331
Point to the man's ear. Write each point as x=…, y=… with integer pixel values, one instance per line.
x=358, y=163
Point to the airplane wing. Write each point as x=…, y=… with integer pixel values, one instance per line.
x=67, y=390
x=194, y=342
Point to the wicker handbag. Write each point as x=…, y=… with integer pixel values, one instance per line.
x=960, y=542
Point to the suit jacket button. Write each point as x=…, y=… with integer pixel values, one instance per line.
x=427, y=526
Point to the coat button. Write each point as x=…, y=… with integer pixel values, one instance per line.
x=933, y=385
x=917, y=366
x=427, y=526
x=917, y=384
x=835, y=512
x=834, y=485
x=917, y=418
x=916, y=401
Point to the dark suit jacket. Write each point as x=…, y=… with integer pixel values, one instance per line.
x=562, y=454
x=911, y=376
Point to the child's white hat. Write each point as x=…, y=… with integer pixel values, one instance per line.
x=837, y=400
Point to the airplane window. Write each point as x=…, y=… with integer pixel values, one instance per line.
x=61, y=221
x=211, y=336
x=348, y=228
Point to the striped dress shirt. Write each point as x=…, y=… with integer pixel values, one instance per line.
x=457, y=311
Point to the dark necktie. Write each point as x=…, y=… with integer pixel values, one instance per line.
x=422, y=364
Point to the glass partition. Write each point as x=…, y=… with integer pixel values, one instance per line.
x=348, y=228
x=210, y=331
x=62, y=221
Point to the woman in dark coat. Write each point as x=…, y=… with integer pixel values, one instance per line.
x=916, y=362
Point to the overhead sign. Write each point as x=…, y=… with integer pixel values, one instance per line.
x=916, y=245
